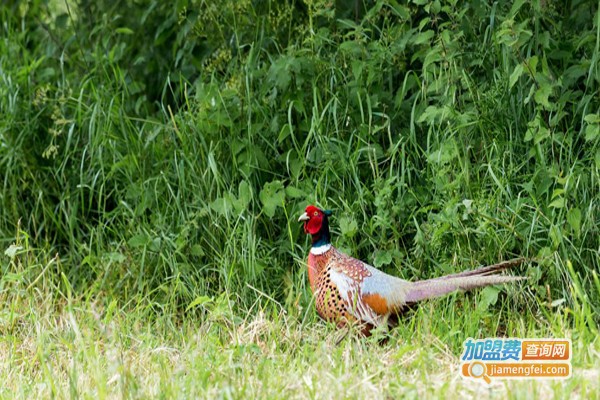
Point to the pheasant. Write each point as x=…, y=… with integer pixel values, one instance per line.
x=347, y=290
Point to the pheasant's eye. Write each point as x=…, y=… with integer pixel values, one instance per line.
x=316, y=213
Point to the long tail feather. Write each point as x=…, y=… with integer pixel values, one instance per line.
x=490, y=269
x=463, y=280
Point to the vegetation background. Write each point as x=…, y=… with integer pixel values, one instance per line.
x=155, y=156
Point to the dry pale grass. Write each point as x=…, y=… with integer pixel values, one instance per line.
x=83, y=352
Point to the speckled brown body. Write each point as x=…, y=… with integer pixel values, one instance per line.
x=330, y=301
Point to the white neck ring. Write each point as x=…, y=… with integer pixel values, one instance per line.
x=318, y=250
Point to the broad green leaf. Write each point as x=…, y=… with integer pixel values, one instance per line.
x=199, y=301
x=543, y=182
x=447, y=152
x=530, y=94
x=542, y=133
x=298, y=105
x=489, y=297
x=558, y=203
x=316, y=155
x=557, y=192
x=516, y=74
x=348, y=226
x=116, y=257
x=528, y=186
x=284, y=133
x=154, y=244
x=563, y=181
x=430, y=114
x=295, y=163
x=352, y=48
x=433, y=7
x=400, y=10
x=139, y=240
x=294, y=193
x=592, y=118
x=272, y=196
x=533, y=62
x=536, y=130
x=574, y=220
x=555, y=235
x=197, y=250
x=542, y=94
x=244, y=193
x=423, y=37
x=516, y=6
x=544, y=253
x=420, y=2
x=125, y=31
x=592, y=131
x=280, y=72
x=382, y=257
x=434, y=55
x=357, y=68
x=222, y=205
x=61, y=20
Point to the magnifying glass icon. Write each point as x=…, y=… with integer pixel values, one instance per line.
x=478, y=369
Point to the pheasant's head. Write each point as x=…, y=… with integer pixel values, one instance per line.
x=316, y=223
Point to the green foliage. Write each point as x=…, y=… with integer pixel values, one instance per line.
x=166, y=149
x=155, y=156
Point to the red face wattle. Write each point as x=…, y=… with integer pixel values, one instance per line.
x=313, y=219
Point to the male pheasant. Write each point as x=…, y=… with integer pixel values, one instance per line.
x=348, y=290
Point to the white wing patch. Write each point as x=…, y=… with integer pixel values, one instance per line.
x=391, y=288
x=351, y=294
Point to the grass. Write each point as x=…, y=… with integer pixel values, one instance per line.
x=57, y=343
x=82, y=348
x=155, y=158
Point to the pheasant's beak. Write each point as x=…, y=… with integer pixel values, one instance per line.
x=303, y=217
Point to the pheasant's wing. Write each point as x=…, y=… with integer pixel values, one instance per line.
x=350, y=292
x=370, y=293
x=384, y=293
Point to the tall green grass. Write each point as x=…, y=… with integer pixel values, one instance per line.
x=155, y=156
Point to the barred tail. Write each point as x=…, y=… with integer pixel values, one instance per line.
x=489, y=270
x=463, y=280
